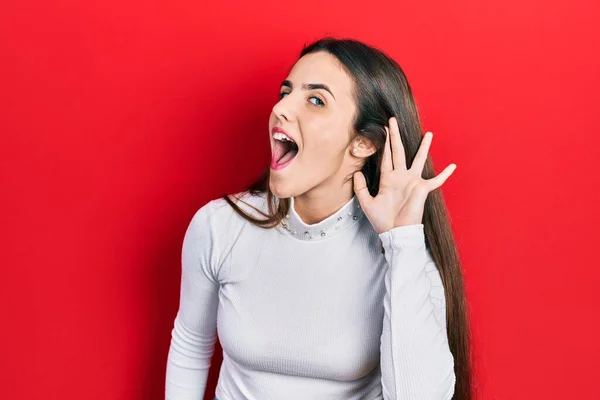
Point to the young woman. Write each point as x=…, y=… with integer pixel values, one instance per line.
x=335, y=275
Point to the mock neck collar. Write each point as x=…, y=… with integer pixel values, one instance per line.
x=350, y=214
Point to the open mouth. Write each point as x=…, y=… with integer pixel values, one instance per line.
x=284, y=151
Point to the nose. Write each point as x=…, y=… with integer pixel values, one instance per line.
x=283, y=109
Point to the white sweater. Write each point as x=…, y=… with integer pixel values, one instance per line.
x=308, y=312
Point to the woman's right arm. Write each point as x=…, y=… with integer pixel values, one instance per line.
x=195, y=328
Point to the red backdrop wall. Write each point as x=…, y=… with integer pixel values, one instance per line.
x=119, y=119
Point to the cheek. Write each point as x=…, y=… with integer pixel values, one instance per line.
x=326, y=138
x=326, y=148
x=332, y=138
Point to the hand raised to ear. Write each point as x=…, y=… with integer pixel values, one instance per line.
x=402, y=192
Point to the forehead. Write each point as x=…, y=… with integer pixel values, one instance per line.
x=322, y=67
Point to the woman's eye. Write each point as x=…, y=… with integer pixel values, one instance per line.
x=320, y=102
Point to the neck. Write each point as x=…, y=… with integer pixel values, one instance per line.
x=319, y=203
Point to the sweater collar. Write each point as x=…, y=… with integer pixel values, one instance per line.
x=350, y=214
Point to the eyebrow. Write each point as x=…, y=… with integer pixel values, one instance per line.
x=308, y=86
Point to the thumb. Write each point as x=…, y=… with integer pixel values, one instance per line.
x=360, y=188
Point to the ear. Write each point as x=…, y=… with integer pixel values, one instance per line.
x=362, y=147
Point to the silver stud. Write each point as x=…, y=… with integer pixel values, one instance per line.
x=339, y=218
x=349, y=213
x=355, y=218
x=323, y=233
x=287, y=216
x=294, y=232
x=337, y=227
x=311, y=236
x=306, y=233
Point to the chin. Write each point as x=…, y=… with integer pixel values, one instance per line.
x=281, y=188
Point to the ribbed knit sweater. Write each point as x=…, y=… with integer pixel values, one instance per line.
x=308, y=311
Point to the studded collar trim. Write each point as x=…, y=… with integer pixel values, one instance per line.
x=349, y=214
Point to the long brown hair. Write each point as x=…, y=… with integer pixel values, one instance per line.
x=381, y=91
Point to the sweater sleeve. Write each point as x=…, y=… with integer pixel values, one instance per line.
x=194, y=333
x=416, y=362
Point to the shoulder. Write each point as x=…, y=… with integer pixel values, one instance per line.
x=247, y=201
x=215, y=227
x=218, y=216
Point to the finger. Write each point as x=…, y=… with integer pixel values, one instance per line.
x=398, y=158
x=386, y=161
x=421, y=156
x=360, y=188
x=439, y=180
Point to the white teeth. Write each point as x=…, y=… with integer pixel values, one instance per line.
x=282, y=137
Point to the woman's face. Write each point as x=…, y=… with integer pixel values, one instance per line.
x=318, y=119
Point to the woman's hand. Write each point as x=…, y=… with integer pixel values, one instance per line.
x=402, y=192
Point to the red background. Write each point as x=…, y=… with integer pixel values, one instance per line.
x=119, y=119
